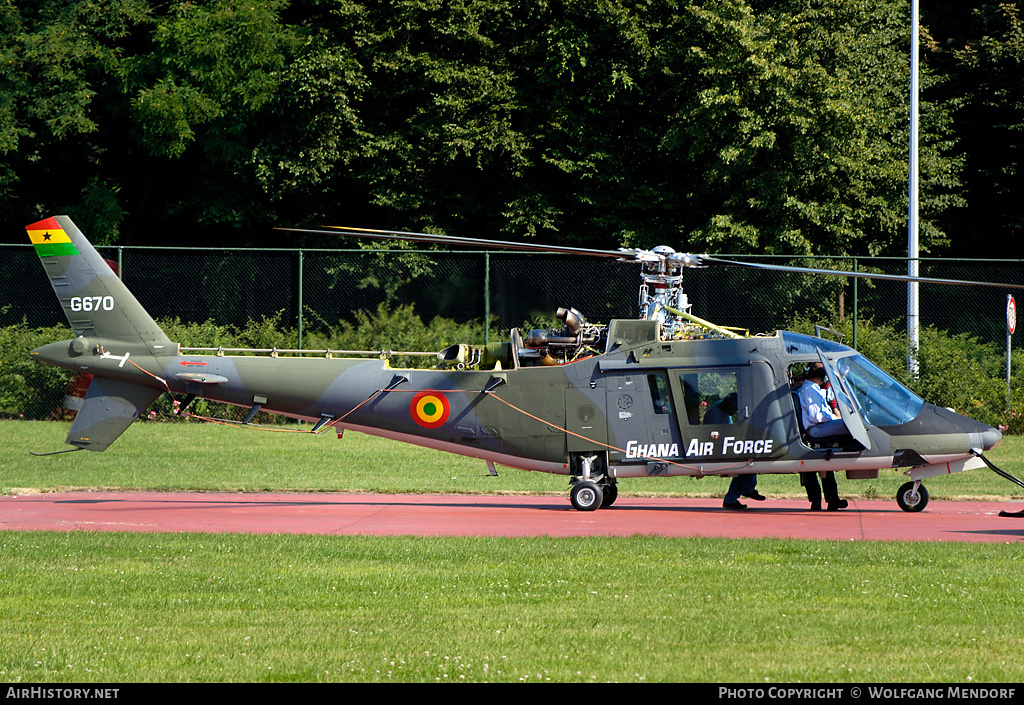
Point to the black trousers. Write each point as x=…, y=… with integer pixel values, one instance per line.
x=828, y=483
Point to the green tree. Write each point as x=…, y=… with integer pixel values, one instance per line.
x=981, y=47
x=59, y=62
x=439, y=114
x=197, y=106
x=594, y=89
x=795, y=117
x=733, y=125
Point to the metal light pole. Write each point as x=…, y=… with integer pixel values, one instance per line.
x=913, y=269
x=1011, y=327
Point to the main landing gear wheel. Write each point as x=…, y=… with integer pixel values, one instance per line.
x=610, y=492
x=912, y=497
x=586, y=496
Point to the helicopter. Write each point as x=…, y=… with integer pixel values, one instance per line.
x=597, y=403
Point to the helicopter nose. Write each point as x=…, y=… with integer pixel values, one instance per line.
x=990, y=438
x=979, y=436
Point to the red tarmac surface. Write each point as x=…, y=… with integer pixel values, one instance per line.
x=473, y=515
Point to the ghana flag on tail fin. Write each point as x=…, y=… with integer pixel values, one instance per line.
x=50, y=240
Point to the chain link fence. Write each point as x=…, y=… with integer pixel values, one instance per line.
x=231, y=287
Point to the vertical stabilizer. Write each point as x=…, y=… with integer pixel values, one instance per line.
x=97, y=304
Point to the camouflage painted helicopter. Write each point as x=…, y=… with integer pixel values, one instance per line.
x=597, y=403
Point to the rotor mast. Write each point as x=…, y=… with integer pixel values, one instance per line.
x=662, y=298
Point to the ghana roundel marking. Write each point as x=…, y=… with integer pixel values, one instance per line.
x=429, y=409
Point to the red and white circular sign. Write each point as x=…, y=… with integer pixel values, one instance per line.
x=1011, y=314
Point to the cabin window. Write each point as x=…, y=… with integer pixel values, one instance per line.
x=711, y=398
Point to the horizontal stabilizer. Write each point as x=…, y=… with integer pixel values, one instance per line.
x=109, y=408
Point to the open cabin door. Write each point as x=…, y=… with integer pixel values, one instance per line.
x=855, y=423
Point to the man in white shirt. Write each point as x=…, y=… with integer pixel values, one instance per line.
x=818, y=417
x=820, y=420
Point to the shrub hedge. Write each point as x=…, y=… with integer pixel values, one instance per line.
x=956, y=371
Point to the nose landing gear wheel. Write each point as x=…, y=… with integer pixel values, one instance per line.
x=912, y=497
x=586, y=496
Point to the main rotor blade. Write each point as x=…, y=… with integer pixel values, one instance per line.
x=859, y=275
x=457, y=241
x=623, y=254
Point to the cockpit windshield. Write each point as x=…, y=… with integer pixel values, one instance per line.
x=800, y=344
x=881, y=400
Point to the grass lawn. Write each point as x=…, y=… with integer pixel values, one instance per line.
x=211, y=457
x=110, y=608
x=83, y=606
